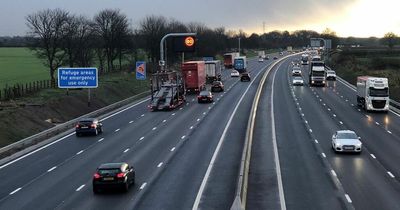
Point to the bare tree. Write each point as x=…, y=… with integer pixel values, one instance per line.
x=84, y=42
x=152, y=29
x=48, y=27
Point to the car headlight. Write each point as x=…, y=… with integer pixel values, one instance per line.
x=370, y=106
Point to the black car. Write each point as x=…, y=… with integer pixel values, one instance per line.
x=245, y=77
x=113, y=176
x=275, y=57
x=205, y=96
x=217, y=86
x=88, y=126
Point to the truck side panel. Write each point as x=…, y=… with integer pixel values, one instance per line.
x=194, y=75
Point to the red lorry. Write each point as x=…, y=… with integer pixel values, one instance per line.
x=194, y=75
x=229, y=58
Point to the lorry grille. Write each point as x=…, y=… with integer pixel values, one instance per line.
x=378, y=104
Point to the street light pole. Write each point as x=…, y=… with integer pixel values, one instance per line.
x=239, y=45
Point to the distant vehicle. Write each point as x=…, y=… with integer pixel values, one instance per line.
x=205, y=96
x=229, y=59
x=245, y=77
x=346, y=141
x=317, y=73
x=261, y=54
x=267, y=57
x=330, y=75
x=194, y=75
x=260, y=59
x=304, y=59
x=168, y=91
x=373, y=93
x=275, y=57
x=240, y=64
x=113, y=176
x=298, y=81
x=213, y=70
x=281, y=53
x=296, y=71
x=217, y=86
x=88, y=126
x=235, y=73
x=316, y=58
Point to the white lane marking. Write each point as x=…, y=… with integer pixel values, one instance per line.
x=117, y=130
x=191, y=127
x=373, y=156
x=80, y=152
x=352, y=104
x=142, y=115
x=125, y=151
x=217, y=99
x=187, y=104
x=213, y=103
x=141, y=138
x=159, y=165
x=173, y=114
x=204, y=113
x=13, y=192
x=217, y=149
x=100, y=140
x=164, y=121
x=130, y=122
x=390, y=174
x=209, y=107
x=316, y=141
x=300, y=108
x=37, y=150
x=192, y=99
x=306, y=121
x=154, y=128
x=329, y=109
x=323, y=155
x=367, y=116
x=172, y=149
x=302, y=114
x=183, y=137
x=334, y=115
x=52, y=169
x=124, y=109
x=310, y=130
x=80, y=188
x=341, y=122
x=341, y=96
x=377, y=123
x=348, y=198
x=143, y=186
x=198, y=119
x=333, y=173
x=180, y=108
x=359, y=110
x=389, y=132
x=347, y=100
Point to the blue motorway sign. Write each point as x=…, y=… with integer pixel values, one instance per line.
x=140, y=70
x=77, y=77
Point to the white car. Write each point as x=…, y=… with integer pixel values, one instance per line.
x=296, y=71
x=260, y=60
x=346, y=141
x=330, y=74
x=298, y=81
x=235, y=73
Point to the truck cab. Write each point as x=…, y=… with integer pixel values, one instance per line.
x=373, y=93
x=240, y=64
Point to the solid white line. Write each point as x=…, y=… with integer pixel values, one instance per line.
x=37, y=150
x=80, y=152
x=154, y=128
x=316, y=141
x=389, y=132
x=159, y=165
x=52, y=169
x=183, y=137
x=117, y=130
x=164, y=121
x=348, y=198
x=390, y=174
x=323, y=154
x=191, y=127
x=172, y=149
x=217, y=149
x=100, y=140
x=130, y=122
x=141, y=138
x=13, y=192
x=125, y=151
x=80, y=188
x=373, y=156
x=143, y=185
x=333, y=173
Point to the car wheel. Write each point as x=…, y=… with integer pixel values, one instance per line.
x=95, y=190
x=78, y=134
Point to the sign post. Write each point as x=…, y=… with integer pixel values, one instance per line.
x=78, y=78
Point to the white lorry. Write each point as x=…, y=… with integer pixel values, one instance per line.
x=261, y=56
x=373, y=93
x=213, y=70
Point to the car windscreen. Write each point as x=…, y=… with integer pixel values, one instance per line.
x=109, y=171
x=346, y=136
x=379, y=92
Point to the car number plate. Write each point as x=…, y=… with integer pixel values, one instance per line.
x=108, y=178
x=348, y=148
x=84, y=127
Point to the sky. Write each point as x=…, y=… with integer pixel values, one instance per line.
x=358, y=18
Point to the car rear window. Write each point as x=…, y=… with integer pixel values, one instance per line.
x=86, y=123
x=205, y=93
x=109, y=171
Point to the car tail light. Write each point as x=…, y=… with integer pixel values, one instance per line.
x=77, y=126
x=96, y=176
x=198, y=96
x=121, y=175
x=93, y=125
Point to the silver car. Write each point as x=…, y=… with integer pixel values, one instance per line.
x=298, y=81
x=346, y=141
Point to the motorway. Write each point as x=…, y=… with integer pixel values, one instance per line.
x=189, y=158
x=171, y=152
x=313, y=176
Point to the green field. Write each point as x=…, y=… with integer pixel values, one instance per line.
x=20, y=65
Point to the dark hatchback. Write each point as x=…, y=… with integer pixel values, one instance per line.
x=88, y=126
x=113, y=176
x=205, y=96
x=217, y=86
x=245, y=77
